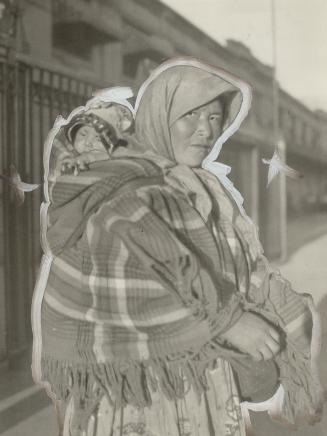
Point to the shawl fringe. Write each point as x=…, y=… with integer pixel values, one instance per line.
x=122, y=383
x=304, y=395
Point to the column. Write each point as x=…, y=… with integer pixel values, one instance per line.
x=273, y=212
x=248, y=179
x=35, y=30
x=254, y=180
x=283, y=201
x=110, y=62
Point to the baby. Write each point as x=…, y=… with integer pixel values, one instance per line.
x=93, y=135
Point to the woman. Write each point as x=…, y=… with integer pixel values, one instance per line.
x=160, y=313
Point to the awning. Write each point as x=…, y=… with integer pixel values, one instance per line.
x=147, y=46
x=99, y=22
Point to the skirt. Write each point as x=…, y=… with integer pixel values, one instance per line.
x=218, y=413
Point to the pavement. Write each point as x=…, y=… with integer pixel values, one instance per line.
x=42, y=423
x=307, y=270
x=24, y=406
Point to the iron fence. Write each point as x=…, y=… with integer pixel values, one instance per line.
x=30, y=99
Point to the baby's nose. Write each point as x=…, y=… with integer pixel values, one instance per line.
x=89, y=136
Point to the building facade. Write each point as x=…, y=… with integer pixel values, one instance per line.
x=55, y=52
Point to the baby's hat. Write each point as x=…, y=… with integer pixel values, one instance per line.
x=107, y=118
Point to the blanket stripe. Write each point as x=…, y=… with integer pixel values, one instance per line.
x=142, y=286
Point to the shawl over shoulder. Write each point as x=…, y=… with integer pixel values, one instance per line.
x=135, y=299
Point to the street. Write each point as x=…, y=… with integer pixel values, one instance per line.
x=307, y=270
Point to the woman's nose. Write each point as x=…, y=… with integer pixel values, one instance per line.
x=204, y=127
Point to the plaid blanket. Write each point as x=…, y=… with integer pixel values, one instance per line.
x=141, y=287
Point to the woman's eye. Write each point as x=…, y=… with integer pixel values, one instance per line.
x=191, y=114
x=215, y=117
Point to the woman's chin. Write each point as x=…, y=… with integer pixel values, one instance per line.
x=193, y=163
x=193, y=157
x=196, y=161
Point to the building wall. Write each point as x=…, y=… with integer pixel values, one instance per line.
x=119, y=42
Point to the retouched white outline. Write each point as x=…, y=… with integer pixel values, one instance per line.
x=273, y=405
x=115, y=94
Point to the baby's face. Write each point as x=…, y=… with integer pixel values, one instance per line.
x=87, y=139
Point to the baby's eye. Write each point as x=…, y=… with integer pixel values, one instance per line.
x=123, y=112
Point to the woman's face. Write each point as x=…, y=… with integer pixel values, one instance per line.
x=194, y=134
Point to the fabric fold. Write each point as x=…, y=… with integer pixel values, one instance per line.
x=152, y=261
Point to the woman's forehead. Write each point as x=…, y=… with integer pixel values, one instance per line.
x=215, y=105
x=191, y=95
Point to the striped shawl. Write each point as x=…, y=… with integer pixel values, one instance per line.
x=141, y=287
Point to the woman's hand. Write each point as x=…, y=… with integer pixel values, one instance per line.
x=254, y=336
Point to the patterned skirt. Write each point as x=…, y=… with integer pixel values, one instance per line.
x=217, y=414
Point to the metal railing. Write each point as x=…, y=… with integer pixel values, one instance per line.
x=30, y=100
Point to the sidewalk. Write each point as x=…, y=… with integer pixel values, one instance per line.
x=20, y=399
x=307, y=270
x=42, y=423
x=305, y=229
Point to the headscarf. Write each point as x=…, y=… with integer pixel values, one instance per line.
x=173, y=89
x=171, y=95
